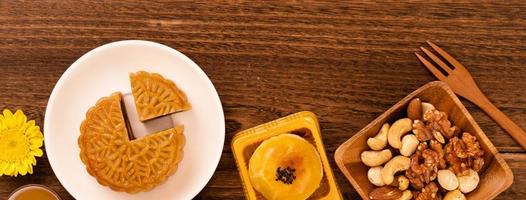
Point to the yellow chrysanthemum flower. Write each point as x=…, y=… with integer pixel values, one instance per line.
x=20, y=142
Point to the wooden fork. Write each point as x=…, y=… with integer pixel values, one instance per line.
x=462, y=83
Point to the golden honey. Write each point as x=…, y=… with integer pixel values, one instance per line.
x=34, y=193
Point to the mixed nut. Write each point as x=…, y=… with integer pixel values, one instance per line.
x=436, y=161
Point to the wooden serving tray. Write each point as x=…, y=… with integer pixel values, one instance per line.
x=495, y=177
x=304, y=124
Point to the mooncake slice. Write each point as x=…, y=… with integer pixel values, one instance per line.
x=120, y=163
x=156, y=96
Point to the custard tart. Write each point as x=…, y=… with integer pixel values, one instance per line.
x=285, y=166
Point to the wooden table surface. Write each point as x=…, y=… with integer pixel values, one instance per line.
x=347, y=62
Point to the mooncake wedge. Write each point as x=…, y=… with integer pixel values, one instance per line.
x=120, y=163
x=156, y=96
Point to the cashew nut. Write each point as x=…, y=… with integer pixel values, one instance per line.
x=379, y=141
x=454, y=195
x=399, y=128
x=447, y=179
x=409, y=144
x=468, y=182
x=398, y=163
x=376, y=158
x=406, y=195
x=426, y=107
x=375, y=176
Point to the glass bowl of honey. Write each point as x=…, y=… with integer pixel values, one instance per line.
x=34, y=192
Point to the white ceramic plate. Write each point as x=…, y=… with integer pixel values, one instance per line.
x=105, y=70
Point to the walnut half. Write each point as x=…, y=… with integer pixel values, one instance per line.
x=428, y=192
x=463, y=154
x=438, y=121
x=424, y=166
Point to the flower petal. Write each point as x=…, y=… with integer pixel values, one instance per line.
x=30, y=169
x=22, y=169
x=10, y=169
x=33, y=160
x=8, y=118
x=33, y=132
x=27, y=163
x=20, y=118
x=3, y=166
x=2, y=124
x=35, y=143
x=37, y=153
x=7, y=113
x=28, y=125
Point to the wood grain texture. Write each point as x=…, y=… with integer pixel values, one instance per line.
x=347, y=62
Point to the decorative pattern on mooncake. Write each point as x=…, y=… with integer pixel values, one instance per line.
x=120, y=163
x=156, y=96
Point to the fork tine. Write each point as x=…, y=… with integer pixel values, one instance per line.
x=437, y=60
x=431, y=67
x=444, y=54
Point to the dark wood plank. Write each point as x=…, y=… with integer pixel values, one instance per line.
x=347, y=62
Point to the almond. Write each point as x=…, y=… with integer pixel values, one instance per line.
x=414, y=109
x=385, y=193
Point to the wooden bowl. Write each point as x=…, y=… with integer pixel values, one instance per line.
x=495, y=176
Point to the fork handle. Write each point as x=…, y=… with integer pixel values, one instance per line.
x=503, y=120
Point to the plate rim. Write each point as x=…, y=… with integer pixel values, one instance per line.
x=60, y=83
